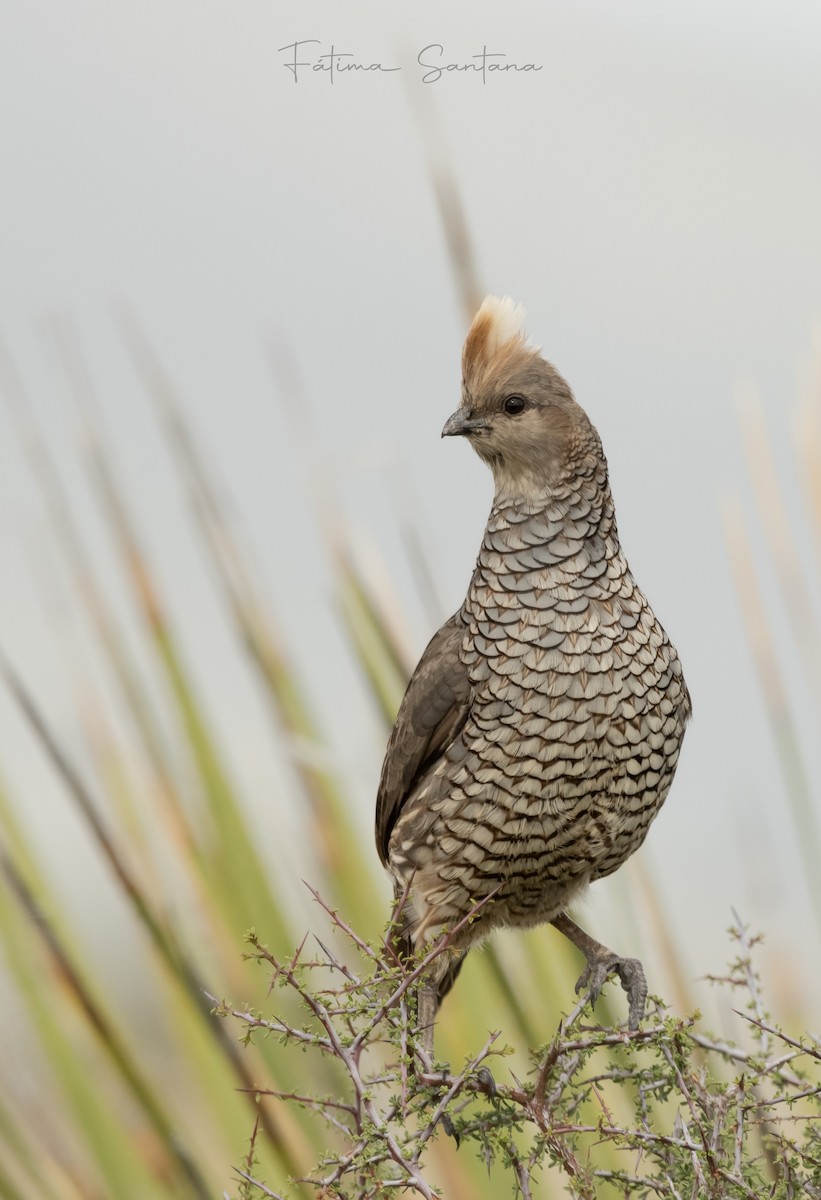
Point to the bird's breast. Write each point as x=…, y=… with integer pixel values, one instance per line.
x=570, y=681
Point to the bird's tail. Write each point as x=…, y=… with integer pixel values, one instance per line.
x=399, y=940
x=449, y=978
x=443, y=974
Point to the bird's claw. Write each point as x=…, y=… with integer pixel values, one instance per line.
x=631, y=977
x=450, y=1129
x=593, y=976
x=631, y=974
x=487, y=1081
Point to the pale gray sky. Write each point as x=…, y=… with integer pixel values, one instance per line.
x=651, y=195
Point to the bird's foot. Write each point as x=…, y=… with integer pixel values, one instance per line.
x=602, y=962
x=450, y=1129
x=631, y=976
x=443, y=1075
x=484, y=1077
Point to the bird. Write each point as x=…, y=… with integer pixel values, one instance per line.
x=540, y=731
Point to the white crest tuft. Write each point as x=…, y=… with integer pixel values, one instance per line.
x=505, y=321
x=495, y=334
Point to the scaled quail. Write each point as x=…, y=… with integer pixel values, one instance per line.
x=540, y=732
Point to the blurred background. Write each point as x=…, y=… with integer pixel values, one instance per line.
x=232, y=303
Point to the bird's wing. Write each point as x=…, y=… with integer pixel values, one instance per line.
x=433, y=711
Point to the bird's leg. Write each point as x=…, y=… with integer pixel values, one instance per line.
x=432, y=987
x=431, y=990
x=602, y=962
x=427, y=1004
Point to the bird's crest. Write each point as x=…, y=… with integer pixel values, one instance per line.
x=495, y=337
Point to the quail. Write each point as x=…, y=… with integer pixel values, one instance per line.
x=540, y=732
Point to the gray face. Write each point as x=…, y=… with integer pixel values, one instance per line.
x=524, y=423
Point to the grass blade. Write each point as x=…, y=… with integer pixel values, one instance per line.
x=774, y=692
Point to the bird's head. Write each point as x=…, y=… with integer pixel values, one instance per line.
x=516, y=410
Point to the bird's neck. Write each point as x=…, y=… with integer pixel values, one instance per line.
x=582, y=496
x=546, y=479
x=564, y=529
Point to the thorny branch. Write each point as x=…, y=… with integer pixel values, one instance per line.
x=699, y=1127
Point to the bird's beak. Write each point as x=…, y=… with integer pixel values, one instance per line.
x=462, y=422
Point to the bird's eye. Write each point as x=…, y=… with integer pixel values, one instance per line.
x=514, y=404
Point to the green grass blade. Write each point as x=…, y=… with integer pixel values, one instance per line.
x=105, y=1033
x=109, y=1148
x=780, y=537
x=170, y=951
x=235, y=860
x=333, y=836
x=29, y=1159
x=102, y=621
x=451, y=210
x=759, y=634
